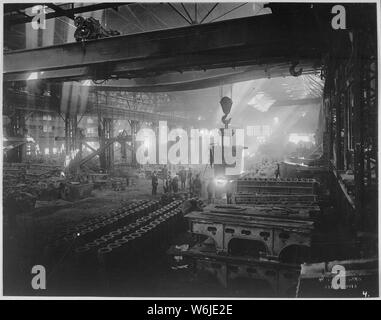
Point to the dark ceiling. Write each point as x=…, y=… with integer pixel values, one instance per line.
x=250, y=96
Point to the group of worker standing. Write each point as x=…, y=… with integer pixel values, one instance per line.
x=187, y=180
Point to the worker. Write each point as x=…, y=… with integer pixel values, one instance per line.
x=169, y=182
x=165, y=172
x=175, y=184
x=197, y=185
x=210, y=190
x=155, y=182
x=229, y=192
x=277, y=171
x=190, y=182
x=183, y=178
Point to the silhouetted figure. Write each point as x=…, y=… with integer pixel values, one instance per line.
x=175, y=184
x=229, y=192
x=183, y=178
x=155, y=182
x=197, y=185
x=210, y=190
x=190, y=182
x=277, y=171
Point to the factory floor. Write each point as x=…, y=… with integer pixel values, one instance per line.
x=29, y=242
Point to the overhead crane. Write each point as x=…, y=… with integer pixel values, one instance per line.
x=258, y=40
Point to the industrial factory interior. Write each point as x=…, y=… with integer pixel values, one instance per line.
x=210, y=149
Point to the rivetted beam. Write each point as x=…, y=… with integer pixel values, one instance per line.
x=295, y=102
x=193, y=80
x=239, y=42
x=173, y=81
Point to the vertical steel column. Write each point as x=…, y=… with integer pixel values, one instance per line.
x=106, y=132
x=18, y=129
x=108, y=125
x=70, y=134
x=101, y=136
x=358, y=126
x=338, y=106
x=346, y=128
x=134, y=129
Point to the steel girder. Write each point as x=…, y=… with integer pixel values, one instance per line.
x=43, y=104
x=239, y=42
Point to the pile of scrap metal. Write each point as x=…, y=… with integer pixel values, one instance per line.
x=99, y=180
x=75, y=190
x=118, y=184
x=24, y=184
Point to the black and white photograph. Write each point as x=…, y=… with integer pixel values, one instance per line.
x=191, y=149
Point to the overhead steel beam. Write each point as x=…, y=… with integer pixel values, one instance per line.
x=296, y=102
x=60, y=11
x=191, y=80
x=231, y=43
x=194, y=80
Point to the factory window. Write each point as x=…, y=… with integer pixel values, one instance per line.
x=266, y=130
x=46, y=128
x=47, y=117
x=46, y=151
x=261, y=140
x=91, y=130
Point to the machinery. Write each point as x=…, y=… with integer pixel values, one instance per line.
x=264, y=236
x=91, y=29
x=273, y=230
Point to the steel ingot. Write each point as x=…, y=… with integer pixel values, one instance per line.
x=133, y=225
x=107, y=237
x=82, y=249
x=128, y=237
x=136, y=235
x=125, y=229
x=121, y=241
x=115, y=233
x=92, y=244
x=140, y=220
x=100, y=241
x=154, y=224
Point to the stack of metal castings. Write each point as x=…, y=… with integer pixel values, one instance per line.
x=152, y=229
x=94, y=227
